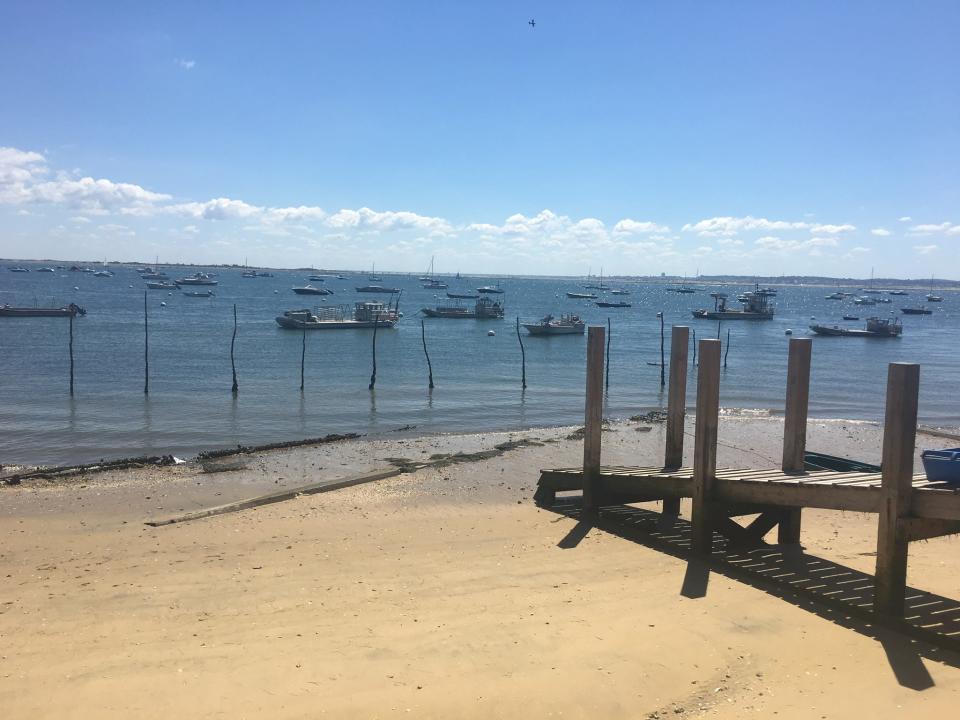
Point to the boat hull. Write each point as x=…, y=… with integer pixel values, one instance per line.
x=555, y=330
x=730, y=315
x=291, y=324
x=70, y=311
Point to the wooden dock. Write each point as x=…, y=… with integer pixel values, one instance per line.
x=910, y=507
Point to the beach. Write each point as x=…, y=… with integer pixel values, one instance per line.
x=442, y=591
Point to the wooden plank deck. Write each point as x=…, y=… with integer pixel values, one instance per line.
x=825, y=489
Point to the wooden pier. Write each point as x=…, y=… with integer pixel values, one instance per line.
x=909, y=506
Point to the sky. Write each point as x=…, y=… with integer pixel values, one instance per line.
x=738, y=137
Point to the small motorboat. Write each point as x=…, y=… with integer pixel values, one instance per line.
x=916, y=311
x=311, y=290
x=564, y=325
x=608, y=304
x=198, y=293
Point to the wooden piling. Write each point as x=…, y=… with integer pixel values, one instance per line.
x=795, y=428
x=233, y=342
x=593, y=418
x=373, y=374
x=676, y=407
x=694, y=361
x=705, y=445
x=146, y=349
x=726, y=350
x=523, y=359
x=303, y=354
x=71, y=355
x=423, y=338
x=663, y=369
x=606, y=382
x=899, y=438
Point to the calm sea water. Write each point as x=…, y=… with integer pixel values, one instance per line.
x=190, y=406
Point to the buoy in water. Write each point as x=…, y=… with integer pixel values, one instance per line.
x=75, y=287
x=491, y=333
x=788, y=331
x=162, y=304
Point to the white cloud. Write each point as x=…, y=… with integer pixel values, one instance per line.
x=944, y=228
x=905, y=218
x=925, y=249
x=186, y=64
x=366, y=219
x=727, y=226
x=216, y=209
x=880, y=232
x=832, y=229
x=627, y=226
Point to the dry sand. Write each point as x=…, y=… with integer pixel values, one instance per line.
x=439, y=593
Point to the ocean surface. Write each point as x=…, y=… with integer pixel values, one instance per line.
x=190, y=406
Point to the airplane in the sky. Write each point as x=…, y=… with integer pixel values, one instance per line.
x=532, y=23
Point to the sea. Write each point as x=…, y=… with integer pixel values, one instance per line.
x=477, y=364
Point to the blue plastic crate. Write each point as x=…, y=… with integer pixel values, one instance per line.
x=942, y=465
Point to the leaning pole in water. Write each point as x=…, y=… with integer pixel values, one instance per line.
x=423, y=337
x=146, y=348
x=303, y=353
x=233, y=342
x=71, y=354
x=523, y=359
x=373, y=375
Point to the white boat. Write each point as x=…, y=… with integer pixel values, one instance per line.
x=311, y=290
x=430, y=282
x=342, y=317
x=564, y=325
x=200, y=278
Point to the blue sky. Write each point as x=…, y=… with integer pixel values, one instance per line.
x=750, y=137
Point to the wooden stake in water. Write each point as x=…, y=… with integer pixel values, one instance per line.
x=303, y=353
x=71, y=354
x=423, y=337
x=694, y=348
x=663, y=369
x=718, y=329
x=726, y=350
x=523, y=359
x=607, y=358
x=373, y=375
x=146, y=349
x=233, y=342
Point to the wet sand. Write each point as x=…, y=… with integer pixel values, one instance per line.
x=443, y=592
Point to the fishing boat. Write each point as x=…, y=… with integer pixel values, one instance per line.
x=581, y=296
x=377, y=289
x=609, y=304
x=565, y=325
x=899, y=292
x=342, y=317
x=461, y=296
x=875, y=328
x=851, y=317
x=197, y=293
x=756, y=306
x=71, y=310
x=311, y=290
x=161, y=285
x=834, y=296
x=484, y=309
x=619, y=291
x=200, y=278
x=916, y=311
x=491, y=289
x=19, y=269
x=864, y=301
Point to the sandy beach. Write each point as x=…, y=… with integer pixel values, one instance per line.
x=442, y=592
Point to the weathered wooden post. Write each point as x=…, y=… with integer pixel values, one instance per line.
x=423, y=337
x=71, y=354
x=373, y=374
x=795, y=428
x=899, y=438
x=146, y=348
x=523, y=359
x=676, y=407
x=606, y=382
x=663, y=369
x=726, y=350
x=303, y=353
x=233, y=341
x=593, y=419
x=705, y=445
x=694, y=361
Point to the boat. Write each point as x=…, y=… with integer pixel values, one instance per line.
x=430, y=282
x=377, y=289
x=609, y=304
x=875, y=328
x=103, y=273
x=916, y=311
x=484, y=309
x=619, y=291
x=373, y=277
x=200, y=278
x=160, y=285
x=934, y=298
x=71, y=310
x=45, y=269
x=342, y=317
x=591, y=286
x=581, y=296
x=864, y=301
x=899, y=292
x=549, y=325
x=154, y=275
x=834, y=296
x=461, y=296
x=756, y=306
x=19, y=269
x=851, y=317
x=311, y=290
x=491, y=289
x=684, y=289
x=317, y=278
x=871, y=290
x=248, y=274
x=198, y=293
